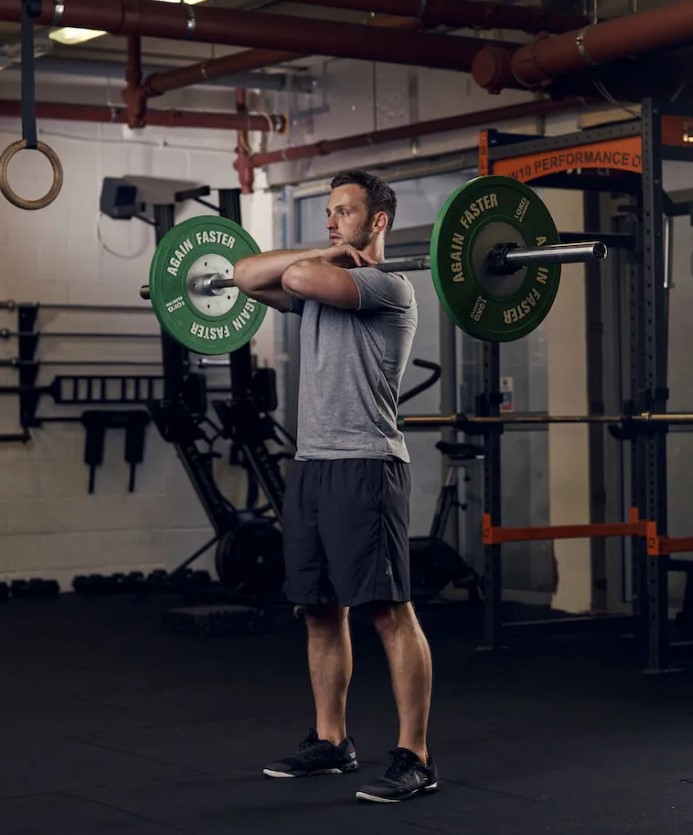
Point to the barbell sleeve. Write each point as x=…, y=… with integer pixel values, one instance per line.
x=504, y=259
x=144, y=292
x=207, y=284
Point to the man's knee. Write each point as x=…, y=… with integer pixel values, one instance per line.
x=321, y=617
x=390, y=618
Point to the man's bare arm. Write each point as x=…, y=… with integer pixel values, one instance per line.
x=327, y=279
x=260, y=276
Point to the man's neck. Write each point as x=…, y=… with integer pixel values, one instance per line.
x=376, y=251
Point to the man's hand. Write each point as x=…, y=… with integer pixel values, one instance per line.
x=346, y=255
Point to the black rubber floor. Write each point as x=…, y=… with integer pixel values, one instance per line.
x=109, y=725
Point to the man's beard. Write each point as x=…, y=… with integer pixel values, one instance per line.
x=361, y=237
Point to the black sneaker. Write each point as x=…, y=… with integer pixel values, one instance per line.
x=406, y=777
x=316, y=756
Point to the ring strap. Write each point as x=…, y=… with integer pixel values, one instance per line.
x=29, y=12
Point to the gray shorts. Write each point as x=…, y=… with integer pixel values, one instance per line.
x=345, y=528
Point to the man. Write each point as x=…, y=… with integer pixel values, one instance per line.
x=346, y=509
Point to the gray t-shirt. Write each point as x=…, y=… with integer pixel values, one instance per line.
x=352, y=363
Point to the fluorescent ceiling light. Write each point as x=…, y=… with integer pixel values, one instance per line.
x=69, y=35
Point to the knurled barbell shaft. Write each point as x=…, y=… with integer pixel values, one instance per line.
x=509, y=258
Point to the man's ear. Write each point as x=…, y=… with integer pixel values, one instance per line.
x=380, y=222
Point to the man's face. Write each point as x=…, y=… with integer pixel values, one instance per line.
x=347, y=217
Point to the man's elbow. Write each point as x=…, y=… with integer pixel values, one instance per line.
x=295, y=280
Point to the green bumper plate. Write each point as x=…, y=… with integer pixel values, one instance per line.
x=217, y=322
x=484, y=212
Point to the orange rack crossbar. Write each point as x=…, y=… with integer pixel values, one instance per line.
x=659, y=546
x=497, y=535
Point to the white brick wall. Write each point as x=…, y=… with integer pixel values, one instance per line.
x=49, y=525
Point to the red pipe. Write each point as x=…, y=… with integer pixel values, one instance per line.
x=466, y=120
x=250, y=59
x=463, y=13
x=545, y=58
x=178, y=21
x=159, y=83
x=132, y=95
x=243, y=164
x=167, y=118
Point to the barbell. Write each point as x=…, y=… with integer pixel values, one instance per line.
x=495, y=259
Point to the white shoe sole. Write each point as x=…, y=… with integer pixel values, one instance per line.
x=375, y=799
x=269, y=773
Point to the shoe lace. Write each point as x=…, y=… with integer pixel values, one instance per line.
x=401, y=762
x=310, y=741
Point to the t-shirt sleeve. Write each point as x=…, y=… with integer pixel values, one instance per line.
x=379, y=290
x=296, y=306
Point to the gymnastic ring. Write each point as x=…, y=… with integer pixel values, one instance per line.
x=7, y=190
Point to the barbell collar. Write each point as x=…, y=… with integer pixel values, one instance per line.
x=508, y=258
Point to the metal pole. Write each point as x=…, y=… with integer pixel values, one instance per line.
x=10, y=304
x=655, y=301
x=460, y=421
x=448, y=400
x=6, y=333
x=18, y=363
x=241, y=360
x=174, y=355
x=493, y=569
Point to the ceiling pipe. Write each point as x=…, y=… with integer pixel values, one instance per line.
x=166, y=118
x=179, y=21
x=547, y=57
x=159, y=83
x=243, y=164
x=463, y=13
x=250, y=59
x=301, y=82
x=135, y=102
x=450, y=123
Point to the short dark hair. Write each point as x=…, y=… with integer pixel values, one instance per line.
x=379, y=196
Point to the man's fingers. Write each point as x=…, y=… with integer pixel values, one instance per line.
x=346, y=254
x=361, y=259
